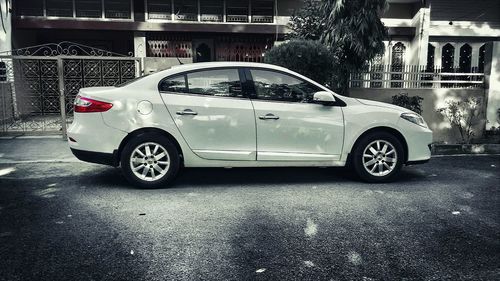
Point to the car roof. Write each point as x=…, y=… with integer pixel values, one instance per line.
x=154, y=78
x=203, y=65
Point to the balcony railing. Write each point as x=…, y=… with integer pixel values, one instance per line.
x=262, y=19
x=212, y=17
x=159, y=16
x=415, y=76
x=186, y=17
x=113, y=9
x=237, y=18
x=214, y=11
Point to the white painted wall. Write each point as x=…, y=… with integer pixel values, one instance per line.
x=493, y=88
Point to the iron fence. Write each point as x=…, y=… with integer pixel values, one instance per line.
x=38, y=84
x=416, y=76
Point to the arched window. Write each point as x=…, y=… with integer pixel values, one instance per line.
x=376, y=69
x=480, y=64
x=429, y=67
x=397, y=63
x=431, y=50
x=465, y=58
x=447, y=57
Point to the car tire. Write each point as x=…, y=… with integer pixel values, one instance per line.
x=150, y=161
x=378, y=157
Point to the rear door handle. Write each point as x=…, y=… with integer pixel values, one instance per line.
x=269, y=116
x=187, y=112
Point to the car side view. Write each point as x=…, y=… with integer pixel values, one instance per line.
x=238, y=114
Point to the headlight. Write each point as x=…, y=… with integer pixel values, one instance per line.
x=414, y=118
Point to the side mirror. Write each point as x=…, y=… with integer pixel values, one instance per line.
x=324, y=97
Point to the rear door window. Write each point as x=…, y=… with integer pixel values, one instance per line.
x=216, y=82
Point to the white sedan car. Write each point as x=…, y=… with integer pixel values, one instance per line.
x=236, y=114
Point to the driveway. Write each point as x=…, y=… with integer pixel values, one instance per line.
x=62, y=219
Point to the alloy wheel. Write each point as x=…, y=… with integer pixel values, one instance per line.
x=150, y=161
x=380, y=158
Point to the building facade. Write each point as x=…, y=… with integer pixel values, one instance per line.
x=442, y=33
x=431, y=36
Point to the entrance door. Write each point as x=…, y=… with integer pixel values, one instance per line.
x=290, y=127
x=203, y=50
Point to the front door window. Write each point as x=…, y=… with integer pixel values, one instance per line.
x=271, y=85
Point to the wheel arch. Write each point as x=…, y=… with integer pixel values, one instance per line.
x=147, y=130
x=390, y=130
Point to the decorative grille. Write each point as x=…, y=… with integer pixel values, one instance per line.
x=242, y=49
x=169, y=46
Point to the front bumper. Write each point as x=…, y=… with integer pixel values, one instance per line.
x=418, y=140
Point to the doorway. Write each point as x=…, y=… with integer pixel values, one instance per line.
x=203, y=50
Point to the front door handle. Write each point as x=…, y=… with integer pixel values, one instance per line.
x=187, y=112
x=269, y=116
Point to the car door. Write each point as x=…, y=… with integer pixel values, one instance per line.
x=212, y=113
x=290, y=127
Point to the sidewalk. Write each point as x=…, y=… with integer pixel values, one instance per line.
x=35, y=149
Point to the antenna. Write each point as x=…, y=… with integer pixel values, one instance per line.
x=180, y=62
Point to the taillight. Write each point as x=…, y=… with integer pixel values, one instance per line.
x=83, y=104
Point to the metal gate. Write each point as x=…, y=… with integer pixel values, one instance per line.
x=38, y=84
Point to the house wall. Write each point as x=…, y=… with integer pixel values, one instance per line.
x=492, y=77
x=433, y=99
x=121, y=42
x=152, y=64
x=465, y=18
x=465, y=10
x=401, y=10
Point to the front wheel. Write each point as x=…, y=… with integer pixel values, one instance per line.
x=150, y=161
x=378, y=157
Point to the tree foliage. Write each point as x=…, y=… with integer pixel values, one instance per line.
x=306, y=22
x=352, y=30
x=309, y=58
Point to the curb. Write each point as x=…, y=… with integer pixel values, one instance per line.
x=460, y=149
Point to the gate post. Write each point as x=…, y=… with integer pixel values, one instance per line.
x=62, y=100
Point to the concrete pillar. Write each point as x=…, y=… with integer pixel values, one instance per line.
x=475, y=55
x=6, y=35
x=421, y=40
x=492, y=79
x=437, y=54
x=140, y=44
x=456, y=56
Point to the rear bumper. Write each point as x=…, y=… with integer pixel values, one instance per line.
x=110, y=159
x=90, y=133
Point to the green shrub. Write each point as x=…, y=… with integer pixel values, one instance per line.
x=309, y=58
x=412, y=103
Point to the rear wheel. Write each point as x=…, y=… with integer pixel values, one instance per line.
x=150, y=161
x=378, y=157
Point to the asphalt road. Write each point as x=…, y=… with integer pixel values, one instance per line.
x=69, y=220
